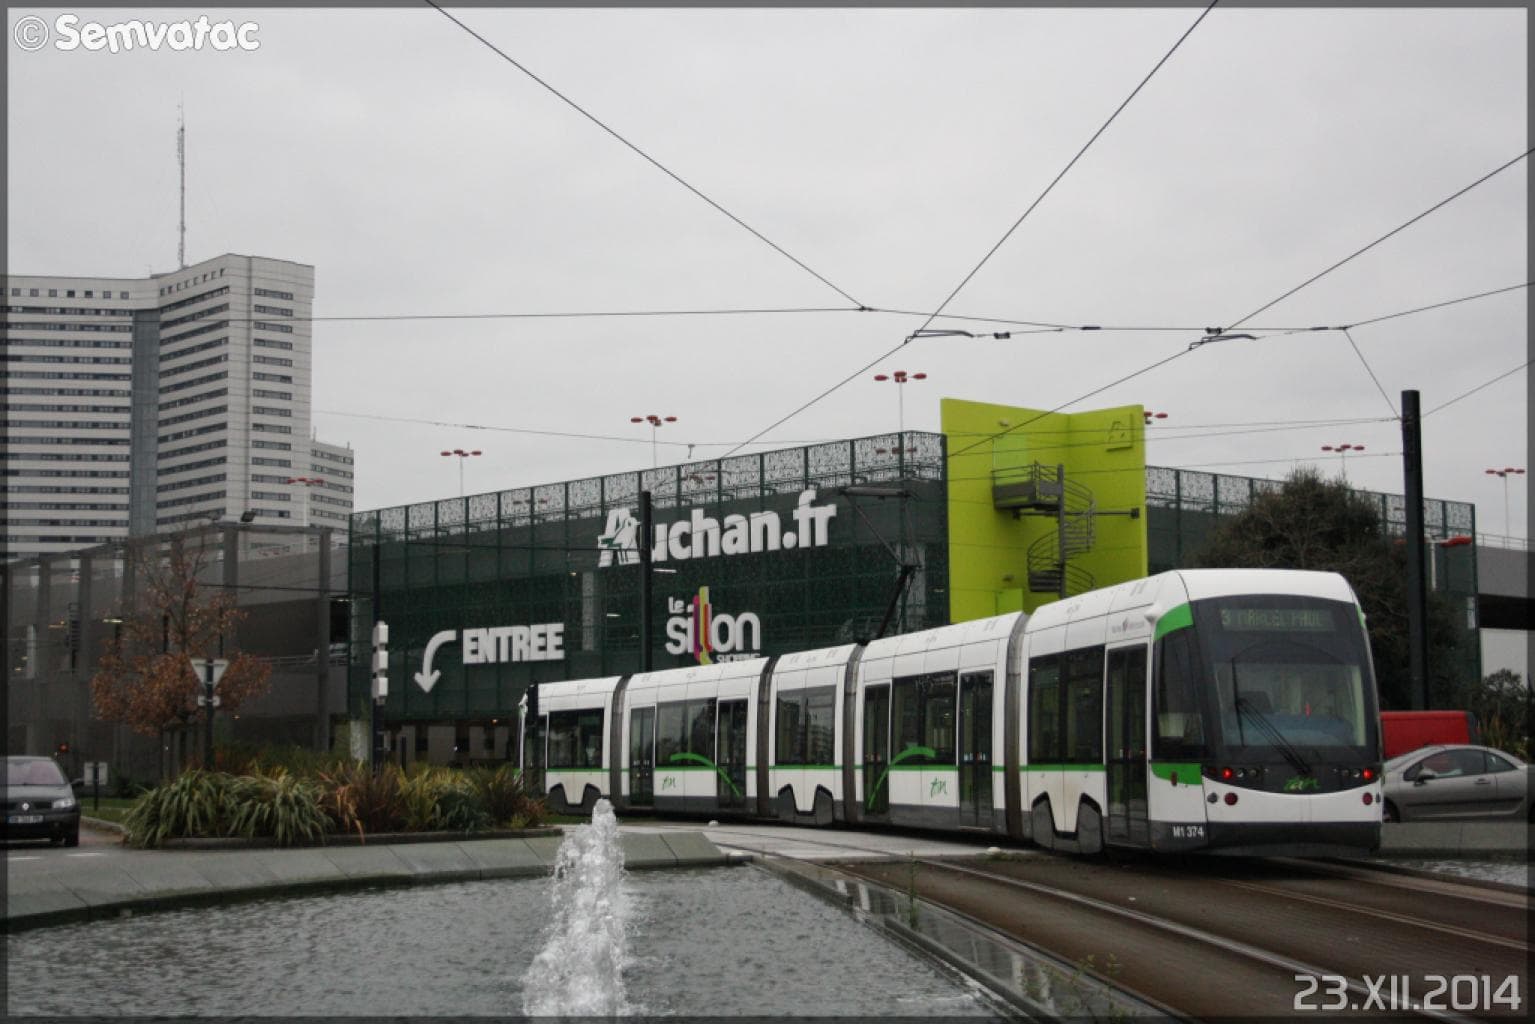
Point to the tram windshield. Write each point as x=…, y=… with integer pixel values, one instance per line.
x=1287, y=674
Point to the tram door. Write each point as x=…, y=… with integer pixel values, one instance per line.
x=1125, y=763
x=642, y=757
x=731, y=778
x=876, y=749
x=975, y=749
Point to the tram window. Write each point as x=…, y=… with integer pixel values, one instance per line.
x=575, y=739
x=938, y=717
x=1045, y=710
x=671, y=731
x=807, y=727
x=1084, y=707
x=701, y=727
x=1179, y=722
x=820, y=725
x=924, y=717
x=791, y=733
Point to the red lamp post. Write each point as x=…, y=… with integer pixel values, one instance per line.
x=461, y=455
x=1505, y=473
x=900, y=378
x=1343, y=450
x=656, y=423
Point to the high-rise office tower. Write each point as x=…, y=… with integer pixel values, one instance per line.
x=133, y=405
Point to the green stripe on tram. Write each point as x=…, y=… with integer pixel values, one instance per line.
x=1187, y=772
x=1181, y=617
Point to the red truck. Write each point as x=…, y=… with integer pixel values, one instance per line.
x=1404, y=731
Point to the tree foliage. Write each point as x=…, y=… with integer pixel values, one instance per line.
x=1503, y=705
x=1313, y=523
x=146, y=679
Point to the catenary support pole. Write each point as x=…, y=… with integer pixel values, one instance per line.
x=644, y=545
x=375, y=712
x=1417, y=595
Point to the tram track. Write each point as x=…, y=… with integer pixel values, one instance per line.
x=1287, y=944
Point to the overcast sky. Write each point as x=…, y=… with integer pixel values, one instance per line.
x=886, y=150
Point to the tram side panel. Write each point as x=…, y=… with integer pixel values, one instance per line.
x=929, y=728
x=704, y=719
x=574, y=737
x=805, y=775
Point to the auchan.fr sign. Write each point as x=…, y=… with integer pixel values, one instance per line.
x=702, y=536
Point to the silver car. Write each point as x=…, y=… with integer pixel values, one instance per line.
x=1444, y=783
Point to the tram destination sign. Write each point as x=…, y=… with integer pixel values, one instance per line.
x=1277, y=620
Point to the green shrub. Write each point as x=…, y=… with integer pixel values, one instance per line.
x=281, y=806
x=192, y=805
x=507, y=798
x=359, y=800
x=441, y=799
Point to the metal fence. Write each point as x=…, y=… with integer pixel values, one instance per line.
x=911, y=455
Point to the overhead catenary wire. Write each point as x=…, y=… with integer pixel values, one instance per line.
x=1479, y=387
x=1355, y=345
x=1098, y=390
x=1394, y=231
x=869, y=366
x=641, y=153
x=1069, y=165
x=1219, y=430
x=1040, y=326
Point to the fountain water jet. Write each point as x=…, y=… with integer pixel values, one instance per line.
x=579, y=970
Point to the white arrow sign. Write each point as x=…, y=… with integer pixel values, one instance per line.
x=427, y=677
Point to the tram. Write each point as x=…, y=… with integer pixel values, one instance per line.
x=1224, y=711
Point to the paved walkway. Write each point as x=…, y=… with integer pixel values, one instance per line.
x=48, y=885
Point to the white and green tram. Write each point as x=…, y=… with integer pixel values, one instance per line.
x=1230, y=711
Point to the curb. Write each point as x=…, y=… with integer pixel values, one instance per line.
x=350, y=839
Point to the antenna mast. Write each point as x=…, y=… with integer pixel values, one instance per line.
x=181, y=159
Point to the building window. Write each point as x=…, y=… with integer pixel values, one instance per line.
x=53, y=293
x=122, y=295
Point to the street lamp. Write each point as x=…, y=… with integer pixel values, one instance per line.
x=656, y=423
x=1505, y=473
x=900, y=378
x=461, y=455
x=1343, y=450
x=1153, y=415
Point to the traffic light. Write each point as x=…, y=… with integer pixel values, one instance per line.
x=63, y=748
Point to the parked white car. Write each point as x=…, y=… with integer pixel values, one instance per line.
x=1448, y=783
